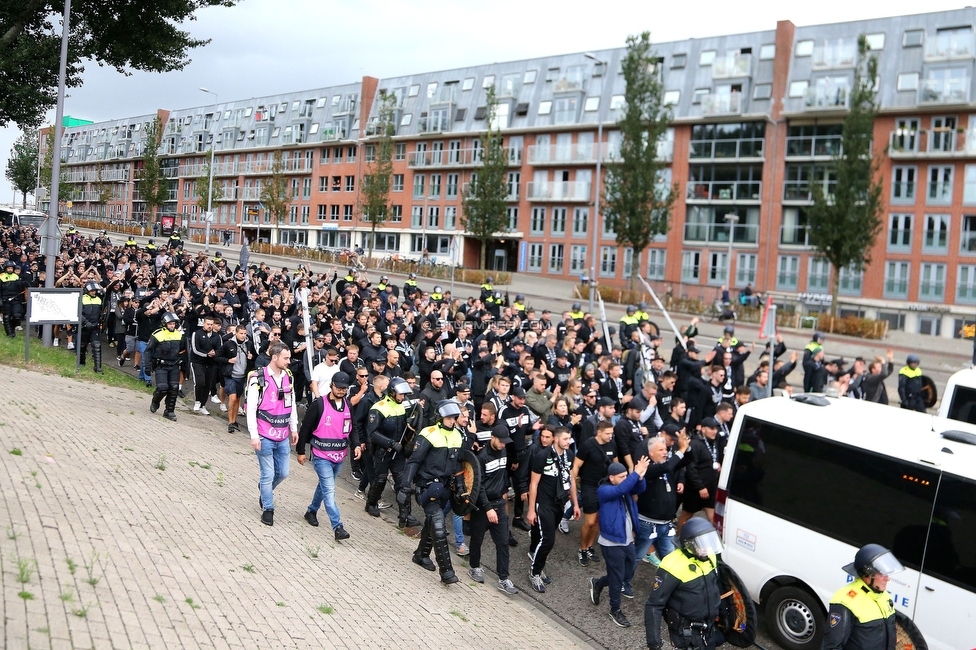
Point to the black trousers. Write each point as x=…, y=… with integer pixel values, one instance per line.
x=543, y=534
x=499, y=537
x=203, y=380
x=167, y=385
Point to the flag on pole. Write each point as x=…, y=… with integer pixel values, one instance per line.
x=664, y=311
x=606, y=327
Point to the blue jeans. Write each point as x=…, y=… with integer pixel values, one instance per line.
x=325, y=490
x=145, y=363
x=273, y=458
x=458, y=525
x=621, y=563
x=662, y=542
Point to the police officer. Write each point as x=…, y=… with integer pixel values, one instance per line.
x=687, y=585
x=910, y=385
x=167, y=349
x=641, y=312
x=488, y=291
x=862, y=613
x=629, y=323
x=434, y=465
x=151, y=247
x=131, y=241
x=410, y=288
x=576, y=313
x=811, y=348
x=385, y=425
x=91, y=324
x=438, y=294
x=174, y=241
x=11, y=286
x=519, y=305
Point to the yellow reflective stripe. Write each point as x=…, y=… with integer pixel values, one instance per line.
x=863, y=602
x=911, y=374
x=164, y=334
x=389, y=408
x=685, y=568
x=438, y=436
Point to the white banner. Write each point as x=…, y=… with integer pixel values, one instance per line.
x=54, y=307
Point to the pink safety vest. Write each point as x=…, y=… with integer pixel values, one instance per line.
x=329, y=440
x=273, y=416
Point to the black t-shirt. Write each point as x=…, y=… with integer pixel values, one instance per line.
x=555, y=470
x=596, y=459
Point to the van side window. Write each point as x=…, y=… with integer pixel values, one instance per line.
x=963, y=406
x=952, y=539
x=834, y=489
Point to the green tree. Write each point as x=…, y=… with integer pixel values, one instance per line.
x=636, y=204
x=483, y=209
x=845, y=223
x=202, y=183
x=120, y=34
x=375, y=197
x=153, y=186
x=101, y=187
x=274, y=195
x=22, y=165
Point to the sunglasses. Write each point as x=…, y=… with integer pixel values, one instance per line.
x=363, y=376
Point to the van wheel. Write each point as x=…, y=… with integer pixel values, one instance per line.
x=795, y=618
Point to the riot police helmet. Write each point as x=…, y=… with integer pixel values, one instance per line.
x=631, y=309
x=489, y=280
x=91, y=286
x=576, y=306
x=399, y=386
x=448, y=408
x=412, y=276
x=519, y=297
x=170, y=317
x=642, y=306
x=873, y=559
x=913, y=358
x=700, y=539
x=438, y=289
x=819, y=337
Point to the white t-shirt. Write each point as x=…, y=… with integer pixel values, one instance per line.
x=322, y=375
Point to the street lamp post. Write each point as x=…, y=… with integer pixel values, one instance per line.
x=209, y=217
x=596, y=201
x=732, y=218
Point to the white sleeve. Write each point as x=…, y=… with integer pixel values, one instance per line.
x=252, y=407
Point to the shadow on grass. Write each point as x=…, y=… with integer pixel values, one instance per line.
x=61, y=361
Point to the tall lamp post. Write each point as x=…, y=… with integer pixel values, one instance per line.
x=209, y=217
x=731, y=218
x=596, y=202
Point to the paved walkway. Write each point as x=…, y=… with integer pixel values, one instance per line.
x=119, y=553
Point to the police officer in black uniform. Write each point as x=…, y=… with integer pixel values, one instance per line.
x=11, y=286
x=167, y=349
x=385, y=426
x=687, y=587
x=910, y=385
x=91, y=324
x=862, y=613
x=435, y=467
x=410, y=288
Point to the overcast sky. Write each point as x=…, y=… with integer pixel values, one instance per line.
x=263, y=47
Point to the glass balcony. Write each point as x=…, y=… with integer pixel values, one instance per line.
x=835, y=53
x=718, y=233
x=953, y=90
x=739, y=148
x=448, y=158
x=731, y=66
x=903, y=141
x=816, y=145
x=251, y=193
x=794, y=235
x=934, y=290
x=724, y=190
x=950, y=46
x=558, y=191
x=939, y=142
x=830, y=94
x=800, y=190
x=721, y=103
x=967, y=243
x=554, y=154
x=446, y=94
x=896, y=288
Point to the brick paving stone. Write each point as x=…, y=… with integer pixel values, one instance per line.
x=178, y=533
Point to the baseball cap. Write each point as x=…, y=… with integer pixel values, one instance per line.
x=562, y=354
x=517, y=391
x=340, y=380
x=692, y=348
x=606, y=401
x=711, y=423
x=502, y=434
x=672, y=429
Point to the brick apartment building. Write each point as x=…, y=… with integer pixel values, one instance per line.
x=756, y=119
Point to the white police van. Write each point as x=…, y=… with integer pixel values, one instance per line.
x=959, y=399
x=809, y=480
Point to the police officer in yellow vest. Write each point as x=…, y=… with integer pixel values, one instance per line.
x=175, y=241
x=815, y=344
x=410, y=288
x=386, y=424
x=131, y=241
x=91, y=324
x=641, y=313
x=519, y=305
x=167, y=349
x=687, y=588
x=576, y=313
x=151, y=246
x=487, y=291
x=434, y=464
x=11, y=287
x=629, y=323
x=438, y=294
x=910, y=385
x=862, y=613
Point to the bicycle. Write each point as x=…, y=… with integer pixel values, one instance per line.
x=718, y=311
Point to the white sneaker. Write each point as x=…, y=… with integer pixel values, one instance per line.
x=57, y=342
x=215, y=399
x=196, y=406
x=223, y=408
x=203, y=411
x=240, y=411
x=361, y=495
x=71, y=345
x=564, y=526
x=383, y=505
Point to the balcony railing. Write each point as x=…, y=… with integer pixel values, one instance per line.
x=944, y=91
x=745, y=233
x=231, y=194
x=445, y=158
x=724, y=190
x=835, y=53
x=817, y=145
x=563, y=154
x=731, y=66
x=829, y=96
x=558, y=191
x=936, y=143
x=794, y=235
x=108, y=176
x=948, y=47
x=896, y=288
x=721, y=103
x=934, y=290
x=741, y=148
x=251, y=193
x=967, y=243
x=800, y=190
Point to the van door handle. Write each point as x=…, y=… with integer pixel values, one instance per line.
x=929, y=589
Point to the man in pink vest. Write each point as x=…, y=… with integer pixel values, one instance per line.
x=327, y=427
x=272, y=421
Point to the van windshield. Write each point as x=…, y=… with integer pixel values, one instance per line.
x=963, y=404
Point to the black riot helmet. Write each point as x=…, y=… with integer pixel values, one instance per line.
x=700, y=539
x=873, y=559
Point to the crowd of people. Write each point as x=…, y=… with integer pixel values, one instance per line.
x=413, y=385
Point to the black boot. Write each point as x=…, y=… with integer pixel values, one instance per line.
x=81, y=360
x=97, y=356
x=443, y=554
x=373, y=496
x=407, y=520
x=422, y=555
x=156, y=399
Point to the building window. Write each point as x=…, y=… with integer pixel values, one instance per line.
x=655, y=263
x=577, y=259
x=350, y=154
x=900, y=233
x=967, y=243
x=417, y=216
x=940, y=185
x=690, y=266
x=788, y=272
x=804, y=48
x=400, y=151
x=418, y=185
x=767, y=52
x=558, y=222
x=370, y=153
x=896, y=280
x=580, y=218
x=512, y=181
x=396, y=213
x=435, y=186
x=513, y=214
x=706, y=58
x=323, y=211
x=913, y=38
x=556, y=252
x=305, y=211
x=907, y=81
x=903, y=185
x=745, y=269
x=936, y=233
x=608, y=261
x=336, y=183
x=535, y=258
x=537, y=226
x=966, y=283
x=678, y=61
x=433, y=216
x=350, y=183
x=450, y=217
x=306, y=188
x=818, y=280
x=323, y=183
x=452, y=186
x=798, y=88
x=347, y=213
x=325, y=157
x=627, y=264
x=293, y=215
x=718, y=269
x=397, y=182
x=672, y=97
x=969, y=186
x=930, y=325
x=931, y=286
x=851, y=278
x=334, y=213
x=943, y=135
x=384, y=241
